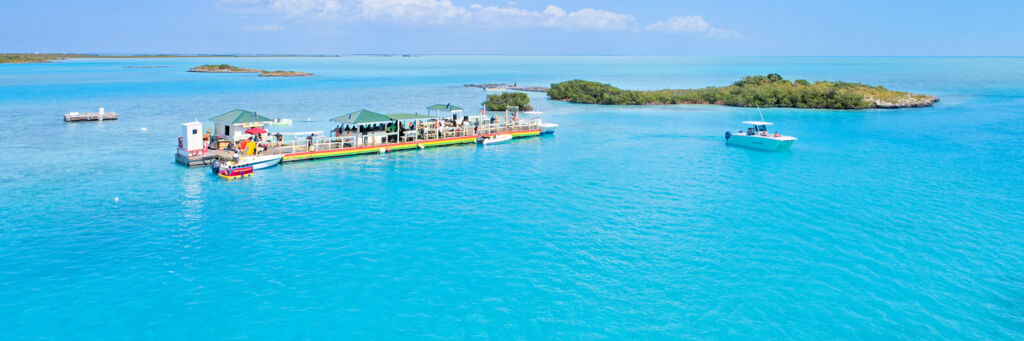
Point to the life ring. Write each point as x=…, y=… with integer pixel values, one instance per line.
x=382, y=150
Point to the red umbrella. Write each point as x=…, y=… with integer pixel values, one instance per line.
x=255, y=130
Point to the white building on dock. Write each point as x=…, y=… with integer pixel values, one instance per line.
x=233, y=124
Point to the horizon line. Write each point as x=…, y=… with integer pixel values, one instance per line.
x=408, y=54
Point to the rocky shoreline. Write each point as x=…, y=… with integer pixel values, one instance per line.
x=909, y=101
x=500, y=86
x=284, y=74
x=225, y=68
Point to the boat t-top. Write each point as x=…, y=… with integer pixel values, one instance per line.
x=545, y=128
x=757, y=136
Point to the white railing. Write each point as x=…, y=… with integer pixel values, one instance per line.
x=299, y=144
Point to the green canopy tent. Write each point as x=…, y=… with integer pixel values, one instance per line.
x=361, y=118
x=364, y=118
x=402, y=117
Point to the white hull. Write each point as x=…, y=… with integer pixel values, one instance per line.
x=761, y=142
x=548, y=128
x=261, y=162
x=497, y=139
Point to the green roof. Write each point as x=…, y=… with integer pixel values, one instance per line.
x=448, y=107
x=362, y=117
x=240, y=116
x=402, y=117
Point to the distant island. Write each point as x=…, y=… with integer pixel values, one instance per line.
x=22, y=58
x=280, y=73
x=225, y=68
x=767, y=91
x=222, y=68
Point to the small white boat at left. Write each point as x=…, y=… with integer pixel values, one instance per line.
x=256, y=161
x=758, y=137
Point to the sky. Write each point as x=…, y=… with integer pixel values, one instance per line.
x=528, y=27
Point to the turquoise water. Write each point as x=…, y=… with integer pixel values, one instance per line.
x=630, y=222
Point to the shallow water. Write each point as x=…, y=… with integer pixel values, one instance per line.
x=629, y=222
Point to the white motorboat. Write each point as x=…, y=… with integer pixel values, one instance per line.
x=545, y=128
x=256, y=161
x=261, y=161
x=548, y=128
x=500, y=138
x=758, y=137
x=281, y=122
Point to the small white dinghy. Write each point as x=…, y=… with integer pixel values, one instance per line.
x=758, y=137
x=500, y=138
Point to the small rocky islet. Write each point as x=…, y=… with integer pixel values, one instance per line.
x=225, y=68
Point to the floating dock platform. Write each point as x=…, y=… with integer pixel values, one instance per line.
x=320, y=147
x=90, y=116
x=360, y=132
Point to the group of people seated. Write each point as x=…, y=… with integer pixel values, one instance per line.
x=434, y=128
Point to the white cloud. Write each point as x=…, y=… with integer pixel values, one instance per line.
x=319, y=9
x=439, y=12
x=443, y=11
x=690, y=24
x=413, y=11
x=588, y=19
x=296, y=8
x=715, y=32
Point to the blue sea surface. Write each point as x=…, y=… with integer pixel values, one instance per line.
x=628, y=223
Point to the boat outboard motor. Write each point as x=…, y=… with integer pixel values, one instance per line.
x=215, y=166
x=728, y=135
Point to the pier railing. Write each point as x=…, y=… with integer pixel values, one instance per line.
x=300, y=144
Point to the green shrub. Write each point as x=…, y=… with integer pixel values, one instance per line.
x=498, y=102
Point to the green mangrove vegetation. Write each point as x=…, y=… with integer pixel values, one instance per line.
x=223, y=68
x=14, y=58
x=280, y=73
x=767, y=91
x=498, y=102
x=17, y=58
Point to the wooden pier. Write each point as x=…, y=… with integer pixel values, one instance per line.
x=201, y=158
